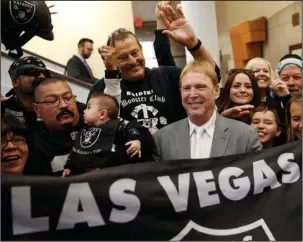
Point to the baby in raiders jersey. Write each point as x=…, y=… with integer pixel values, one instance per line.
x=106, y=140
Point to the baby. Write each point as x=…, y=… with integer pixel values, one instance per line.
x=103, y=141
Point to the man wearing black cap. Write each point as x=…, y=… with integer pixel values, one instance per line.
x=23, y=73
x=289, y=70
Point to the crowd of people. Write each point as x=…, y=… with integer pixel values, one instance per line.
x=136, y=114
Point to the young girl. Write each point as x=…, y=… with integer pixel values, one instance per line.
x=294, y=114
x=240, y=95
x=267, y=124
x=106, y=140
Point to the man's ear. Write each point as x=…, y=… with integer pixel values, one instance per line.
x=103, y=114
x=36, y=109
x=217, y=91
x=16, y=83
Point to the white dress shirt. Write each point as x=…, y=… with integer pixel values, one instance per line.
x=201, y=138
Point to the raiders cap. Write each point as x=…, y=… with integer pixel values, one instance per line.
x=28, y=63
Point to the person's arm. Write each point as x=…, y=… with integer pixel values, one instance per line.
x=180, y=30
x=161, y=43
x=162, y=49
x=112, y=84
x=135, y=131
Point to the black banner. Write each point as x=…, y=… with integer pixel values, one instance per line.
x=255, y=196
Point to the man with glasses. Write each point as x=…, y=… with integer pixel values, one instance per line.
x=23, y=73
x=60, y=118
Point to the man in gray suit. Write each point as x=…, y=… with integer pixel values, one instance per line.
x=204, y=133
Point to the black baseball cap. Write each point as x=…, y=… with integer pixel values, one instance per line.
x=28, y=65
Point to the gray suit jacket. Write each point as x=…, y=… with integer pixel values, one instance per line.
x=230, y=137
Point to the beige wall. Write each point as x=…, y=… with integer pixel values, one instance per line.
x=75, y=20
x=232, y=13
x=281, y=33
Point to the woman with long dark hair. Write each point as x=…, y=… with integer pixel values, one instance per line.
x=240, y=95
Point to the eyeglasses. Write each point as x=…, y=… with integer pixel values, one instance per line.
x=16, y=140
x=56, y=102
x=246, y=71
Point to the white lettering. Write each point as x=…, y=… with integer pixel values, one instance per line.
x=241, y=185
x=264, y=176
x=178, y=197
x=131, y=202
x=79, y=193
x=23, y=223
x=291, y=167
x=205, y=187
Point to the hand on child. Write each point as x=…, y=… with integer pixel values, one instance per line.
x=66, y=172
x=134, y=148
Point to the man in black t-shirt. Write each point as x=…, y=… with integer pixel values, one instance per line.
x=60, y=119
x=23, y=73
x=150, y=96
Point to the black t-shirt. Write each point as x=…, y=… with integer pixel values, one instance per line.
x=14, y=107
x=48, y=151
x=154, y=101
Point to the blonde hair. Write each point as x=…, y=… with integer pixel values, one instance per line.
x=251, y=65
x=290, y=132
x=202, y=67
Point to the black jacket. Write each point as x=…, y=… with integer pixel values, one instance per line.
x=76, y=69
x=14, y=107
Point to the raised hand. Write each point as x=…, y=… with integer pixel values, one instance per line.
x=279, y=87
x=158, y=10
x=178, y=28
x=108, y=54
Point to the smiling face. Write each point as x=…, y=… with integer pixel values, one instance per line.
x=198, y=96
x=130, y=58
x=241, y=91
x=265, y=123
x=292, y=76
x=14, y=153
x=262, y=72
